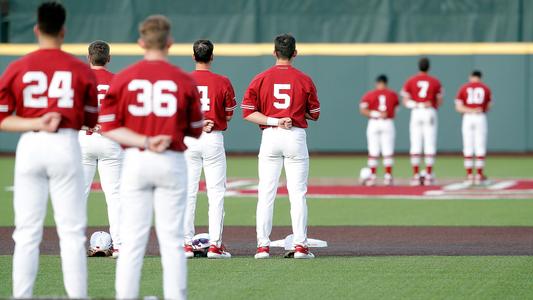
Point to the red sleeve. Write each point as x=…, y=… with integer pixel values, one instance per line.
x=250, y=102
x=229, y=99
x=461, y=95
x=195, y=122
x=365, y=100
x=313, y=105
x=488, y=94
x=406, y=90
x=91, y=100
x=439, y=90
x=111, y=116
x=7, y=99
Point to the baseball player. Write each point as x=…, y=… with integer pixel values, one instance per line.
x=281, y=100
x=53, y=94
x=379, y=106
x=99, y=151
x=218, y=103
x=422, y=94
x=473, y=101
x=149, y=108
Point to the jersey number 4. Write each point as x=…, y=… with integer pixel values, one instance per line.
x=60, y=87
x=154, y=98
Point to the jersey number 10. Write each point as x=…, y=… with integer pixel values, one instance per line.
x=475, y=95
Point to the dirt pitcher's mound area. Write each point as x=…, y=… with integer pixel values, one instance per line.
x=354, y=240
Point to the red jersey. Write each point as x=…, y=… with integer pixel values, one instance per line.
x=50, y=80
x=384, y=100
x=422, y=88
x=474, y=95
x=282, y=91
x=103, y=80
x=153, y=98
x=217, y=97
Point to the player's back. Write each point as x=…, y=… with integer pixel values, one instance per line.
x=103, y=80
x=475, y=95
x=52, y=80
x=216, y=95
x=385, y=100
x=154, y=98
x=423, y=87
x=284, y=91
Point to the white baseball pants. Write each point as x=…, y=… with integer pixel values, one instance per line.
x=281, y=147
x=474, y=130
x=423, y=133
x=49, y=162
x=152, y=182
x=380, y=134
x=100, y=152
x=207, y=152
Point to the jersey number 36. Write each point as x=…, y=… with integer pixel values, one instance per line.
x=154, y=98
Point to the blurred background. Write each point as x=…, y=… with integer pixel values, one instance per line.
x=343, y=46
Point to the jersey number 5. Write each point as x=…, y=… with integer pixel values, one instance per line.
x=204, y=100
x=153, y=99
x=60, y=87
x=280, y=96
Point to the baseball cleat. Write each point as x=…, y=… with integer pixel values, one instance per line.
x=469, y=180
x=262, y=252
x=416, y=180
x=387, y=180
x=480, y=179
x=370, y=181
x=115, y=253
x=215, y=252
x=429, y=180
x=302, y=252
x=188, y=251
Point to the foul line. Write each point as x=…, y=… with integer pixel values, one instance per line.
x=308, y=49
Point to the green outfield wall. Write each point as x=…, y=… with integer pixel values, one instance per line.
x=341, y=81
x=253, y=21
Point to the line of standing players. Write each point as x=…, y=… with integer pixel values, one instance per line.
x=423, y=95
x=154, y=111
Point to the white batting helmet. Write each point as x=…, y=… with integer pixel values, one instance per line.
x=100, y=244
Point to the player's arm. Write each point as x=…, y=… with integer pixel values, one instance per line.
x=195, y=123
x=440, y=95
x=229, y=101
x=48, y=122
x=128, y=137
x=252, y=114
x=407, y=100
x=461, y=108
x=313, y=104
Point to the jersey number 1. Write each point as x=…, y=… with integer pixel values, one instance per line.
x=60, y=87
x=204, y=100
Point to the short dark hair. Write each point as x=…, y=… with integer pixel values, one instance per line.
x=51, y=18
x=476, y=73
x=203, y=50
x=382, y=78
x=423, y=64
x=99, y=53
x=285, y=45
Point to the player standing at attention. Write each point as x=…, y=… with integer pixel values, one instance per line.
x=150, y=107
x=380, y=106
x=423, y=94
x=473, y=101
x=218, y=104
x=53, y=94
x=281, y=100
x=99, y=151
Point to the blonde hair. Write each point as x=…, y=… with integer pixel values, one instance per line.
x=155, y=31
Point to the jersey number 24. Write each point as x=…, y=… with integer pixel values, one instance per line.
x=60, y=87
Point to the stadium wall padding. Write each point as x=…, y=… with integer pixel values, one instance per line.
x=341, y=81
x=318, y=21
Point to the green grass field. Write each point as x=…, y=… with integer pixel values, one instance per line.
x=414, y=277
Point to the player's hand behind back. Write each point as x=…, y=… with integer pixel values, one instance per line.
x=285, y=123
x=49, y=122
x=208, y=125
x=159, y=143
